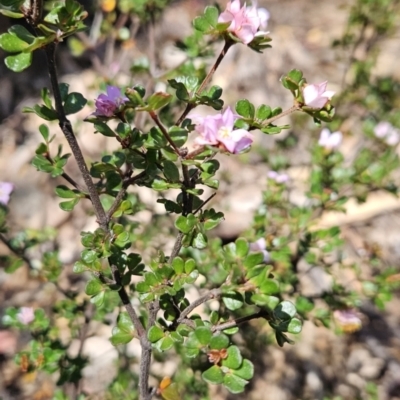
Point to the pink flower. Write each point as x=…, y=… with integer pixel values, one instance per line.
x=261, y=245
x=348, y=320
x=278, y=177
x=108, y=104
x=6, y=189
x=386, y=131
x=26, y=315
x=218, y=130
x=330, y=141
x=245, y=21
x=316, y=95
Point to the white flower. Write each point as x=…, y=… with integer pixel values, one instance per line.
x=330, y=141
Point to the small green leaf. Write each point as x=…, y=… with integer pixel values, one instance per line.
x=74, y=103
x=104, y=129
x=44, y=131
x=18, y=62
x=120, y=337
x=203, y=334
x=234, y=359
x=219, y=342
x=233, y=300
x=171, y=171
x=213, y=375
x=264, y=300
x=295, y=326
x=285, y=310
x=246, y=371
x=93, y=287
x=178, y=135
x=158, y=100
x=98, y=299
x=263, y=112
x=200, y=241
x=185, y=224
x=211, y=15
x=190, y=265
x=242, y=247
x=155, y=334
x=245, y=109
x=69, y=205
x=178, y=265
x=253, y=260
x=166, y=343
x=234, y=383
x=66, y=193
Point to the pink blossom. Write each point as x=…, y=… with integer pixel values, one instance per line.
x=278, y=177
x=330, y=141
x=316, y=95
x=245, y=21
x=386, y=131
x=261, y=245
x=108, y=104
x=218, y=130
x=26, y=315
x=6, y=189
x=348, y=320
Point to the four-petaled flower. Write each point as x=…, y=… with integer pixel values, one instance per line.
x=316, y=95
x=330, y=141
x=218, y=130
x=348, y=320
x=108, y=104
x=26, y=315
x=386, y=131
x=278, y=177
x=245, y=21
x=6, y=189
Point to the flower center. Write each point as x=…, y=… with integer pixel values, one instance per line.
x=224, y=132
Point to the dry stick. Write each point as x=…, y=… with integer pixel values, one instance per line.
x=221, y=56
x=67, y=130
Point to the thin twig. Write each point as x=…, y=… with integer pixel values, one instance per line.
x=290, y=110
x=206, y=80
x=155, y=118
x=212, y=294
x=67, y=130
x=241, y=320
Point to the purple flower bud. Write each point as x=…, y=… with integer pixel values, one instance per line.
x=107, y=104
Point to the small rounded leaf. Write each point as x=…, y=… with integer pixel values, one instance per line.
x=213, y=375
x=203, y=334
x=246, y=370
x=155, y=334
x=219, y=342
x=234, y=359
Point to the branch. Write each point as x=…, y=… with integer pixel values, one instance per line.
x=155, y=118
x=212, y=294
x=206, y=80
x=238, y=321
x=68, y=132
x=290, y=110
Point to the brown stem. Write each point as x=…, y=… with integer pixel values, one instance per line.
x=206, y=80
x=238, y=321
x=155, y=118
x=290, y=110
x=67, y=130
x=212, y=294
